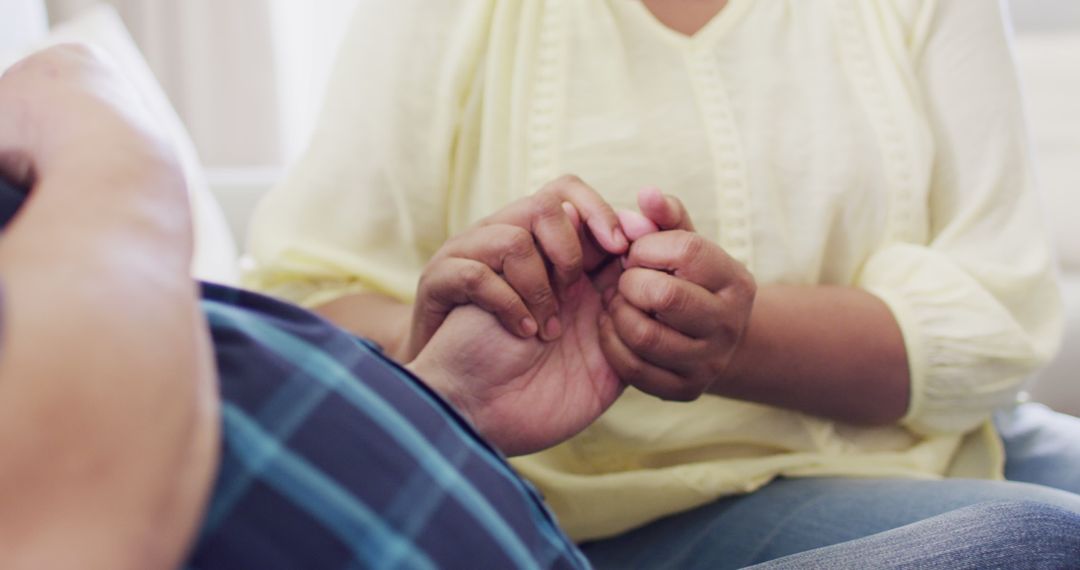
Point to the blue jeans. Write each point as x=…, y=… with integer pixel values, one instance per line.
x=797, y=515
x=1005, y=536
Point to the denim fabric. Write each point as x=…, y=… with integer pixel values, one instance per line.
x=1006, y=536
x=797, y=515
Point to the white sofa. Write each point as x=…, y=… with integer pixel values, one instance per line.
x=23, y=29
x=1049, y=62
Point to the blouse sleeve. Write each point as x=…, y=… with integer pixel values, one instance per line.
x=365, y=207
x=979, y=305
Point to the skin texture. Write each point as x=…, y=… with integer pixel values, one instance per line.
x=97, y=303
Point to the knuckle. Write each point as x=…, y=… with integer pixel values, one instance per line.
x=572, y=260
x=518, y=242
x=668, y=298
x=541, y=296
x=474, y=275
x=691, y=247
x=507, y=305
x=645, y=336
x=547, y=205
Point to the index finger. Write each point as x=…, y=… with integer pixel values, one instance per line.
x=595, y=212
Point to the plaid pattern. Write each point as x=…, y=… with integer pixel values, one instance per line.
x=336, y=457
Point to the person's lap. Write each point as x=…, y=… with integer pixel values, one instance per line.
x=797, y=515
x=988, y=536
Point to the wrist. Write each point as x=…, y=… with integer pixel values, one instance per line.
x=435, y=377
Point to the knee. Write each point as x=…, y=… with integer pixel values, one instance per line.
x=1037, y=531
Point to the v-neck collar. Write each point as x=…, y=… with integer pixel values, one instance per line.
x=716, y=26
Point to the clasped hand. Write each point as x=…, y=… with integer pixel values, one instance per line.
x=589, y=301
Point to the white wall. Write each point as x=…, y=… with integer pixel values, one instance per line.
x=246, y=76
x=1045, y=15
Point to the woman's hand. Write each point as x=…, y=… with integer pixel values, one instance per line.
x=680, y=309
x=518, y=263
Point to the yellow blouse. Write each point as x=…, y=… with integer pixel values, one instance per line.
x=871, y=143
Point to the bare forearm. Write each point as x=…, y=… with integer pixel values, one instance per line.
x=373, y=316
x=105, y=361
x=835, y=352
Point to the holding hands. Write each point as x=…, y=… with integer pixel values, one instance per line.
x=516, y=263
x=589, y=301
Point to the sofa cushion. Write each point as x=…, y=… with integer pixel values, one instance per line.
x=100, y=26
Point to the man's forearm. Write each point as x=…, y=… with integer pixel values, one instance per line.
x=835, y=352
x=107, y=401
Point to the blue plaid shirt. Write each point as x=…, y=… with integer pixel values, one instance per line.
x=336, y=457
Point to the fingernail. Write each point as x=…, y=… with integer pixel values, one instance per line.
x=553, y=328
x=609, y=294
x=528, y=326
x=619, y=239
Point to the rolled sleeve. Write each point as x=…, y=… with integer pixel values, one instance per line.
x=978, y=303
x=968, y=351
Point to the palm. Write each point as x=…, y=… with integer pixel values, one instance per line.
x=528, y=394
